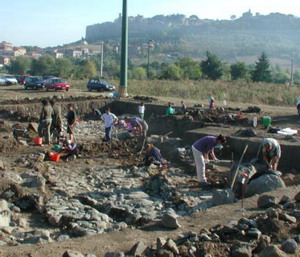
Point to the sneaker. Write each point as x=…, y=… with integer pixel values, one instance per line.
x=204, y=184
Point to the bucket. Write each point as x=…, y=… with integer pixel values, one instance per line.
x=266, y=121
x=56, y=147
x=55, y=157
x=38, y=141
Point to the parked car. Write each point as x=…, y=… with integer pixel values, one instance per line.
x=100, y=85
x=34, y=82
x=2, y=81
x=21, y=78
x=56, y=84
x=8, y=80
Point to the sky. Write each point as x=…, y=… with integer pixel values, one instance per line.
x=57, y=22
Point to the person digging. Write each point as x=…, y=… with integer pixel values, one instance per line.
x=201, y=150
x=271, y=153
x=153, y=156
x=139, y=125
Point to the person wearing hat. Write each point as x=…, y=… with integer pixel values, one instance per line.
x=201, y=149
x=271, y=152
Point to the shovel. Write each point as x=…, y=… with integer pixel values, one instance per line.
x=237, y=169
x=254, y=160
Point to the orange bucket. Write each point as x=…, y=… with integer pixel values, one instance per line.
x=38, y=141
x=55, y=157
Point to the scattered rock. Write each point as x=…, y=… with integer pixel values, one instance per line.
x=71, y=253
x=297, y=197
x=264, y=183
x=171, y=245
x=241, y=251
x=266, y=201
x=117, y=254
x=223, y=196
x=272, y=251
x=288, y=218
x=289, y=246
x=169, y=220
x=138, y=249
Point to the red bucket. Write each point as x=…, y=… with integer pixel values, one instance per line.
x=55, y=157
x=38, y=141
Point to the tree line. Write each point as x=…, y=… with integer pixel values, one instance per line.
x=211, y=67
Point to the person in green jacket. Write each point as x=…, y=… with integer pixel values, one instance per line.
x=57, y=122
x=45, y=121
x=170, y=110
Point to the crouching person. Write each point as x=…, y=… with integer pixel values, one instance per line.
x=71, y=149
x=201, y=149
x=271, y=152
x=153, y=155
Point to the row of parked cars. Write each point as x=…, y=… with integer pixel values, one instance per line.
x=52, y=83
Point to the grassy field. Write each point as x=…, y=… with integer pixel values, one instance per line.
x=237, y=91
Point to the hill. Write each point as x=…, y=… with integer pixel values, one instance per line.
x=177, y=35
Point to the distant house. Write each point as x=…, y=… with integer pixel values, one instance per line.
x=4, y=61
x=34, y=54
x=6, y=46
x=18, y=51
x=58, y=55
x=73, y=53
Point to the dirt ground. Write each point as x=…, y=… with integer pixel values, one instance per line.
x=123, y=240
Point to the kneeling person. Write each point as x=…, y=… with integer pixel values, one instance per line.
x=153, y=155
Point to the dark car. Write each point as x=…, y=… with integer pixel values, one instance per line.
x=56, y=84
x=21, y=78
x=34, y=82
x=100, y=85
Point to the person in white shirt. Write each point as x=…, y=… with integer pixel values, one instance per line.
x=109, y=120
x=142, y=110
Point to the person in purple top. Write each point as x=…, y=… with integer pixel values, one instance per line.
x=139, y=124
x=201, y=149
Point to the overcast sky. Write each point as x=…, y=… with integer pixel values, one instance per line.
x=54, y=22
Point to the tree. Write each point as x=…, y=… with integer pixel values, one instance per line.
x=139, y=73
x=190, y=68
x=170, y=72
x=42, y=66
x=20, y=65
x=238, y=70
x=63, y=67
x=89, y=69
x=262, y=71
x=212, y=67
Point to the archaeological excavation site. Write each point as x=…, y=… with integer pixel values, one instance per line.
x=107, y=202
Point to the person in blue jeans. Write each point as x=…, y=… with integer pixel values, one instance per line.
x=109, y=120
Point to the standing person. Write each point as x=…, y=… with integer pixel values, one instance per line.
x=183, y=107
x=212, y=103
x=142, y=110
x=201, y=149
x=71, y=119
x=56, y=127
x=138, y=124
x=271, y=152
x=170, y=110
x=45, y=121
x=109, y=120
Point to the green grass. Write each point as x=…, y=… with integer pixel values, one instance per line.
x=233, y=91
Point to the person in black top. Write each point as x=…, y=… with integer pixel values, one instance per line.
x=71, y=118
